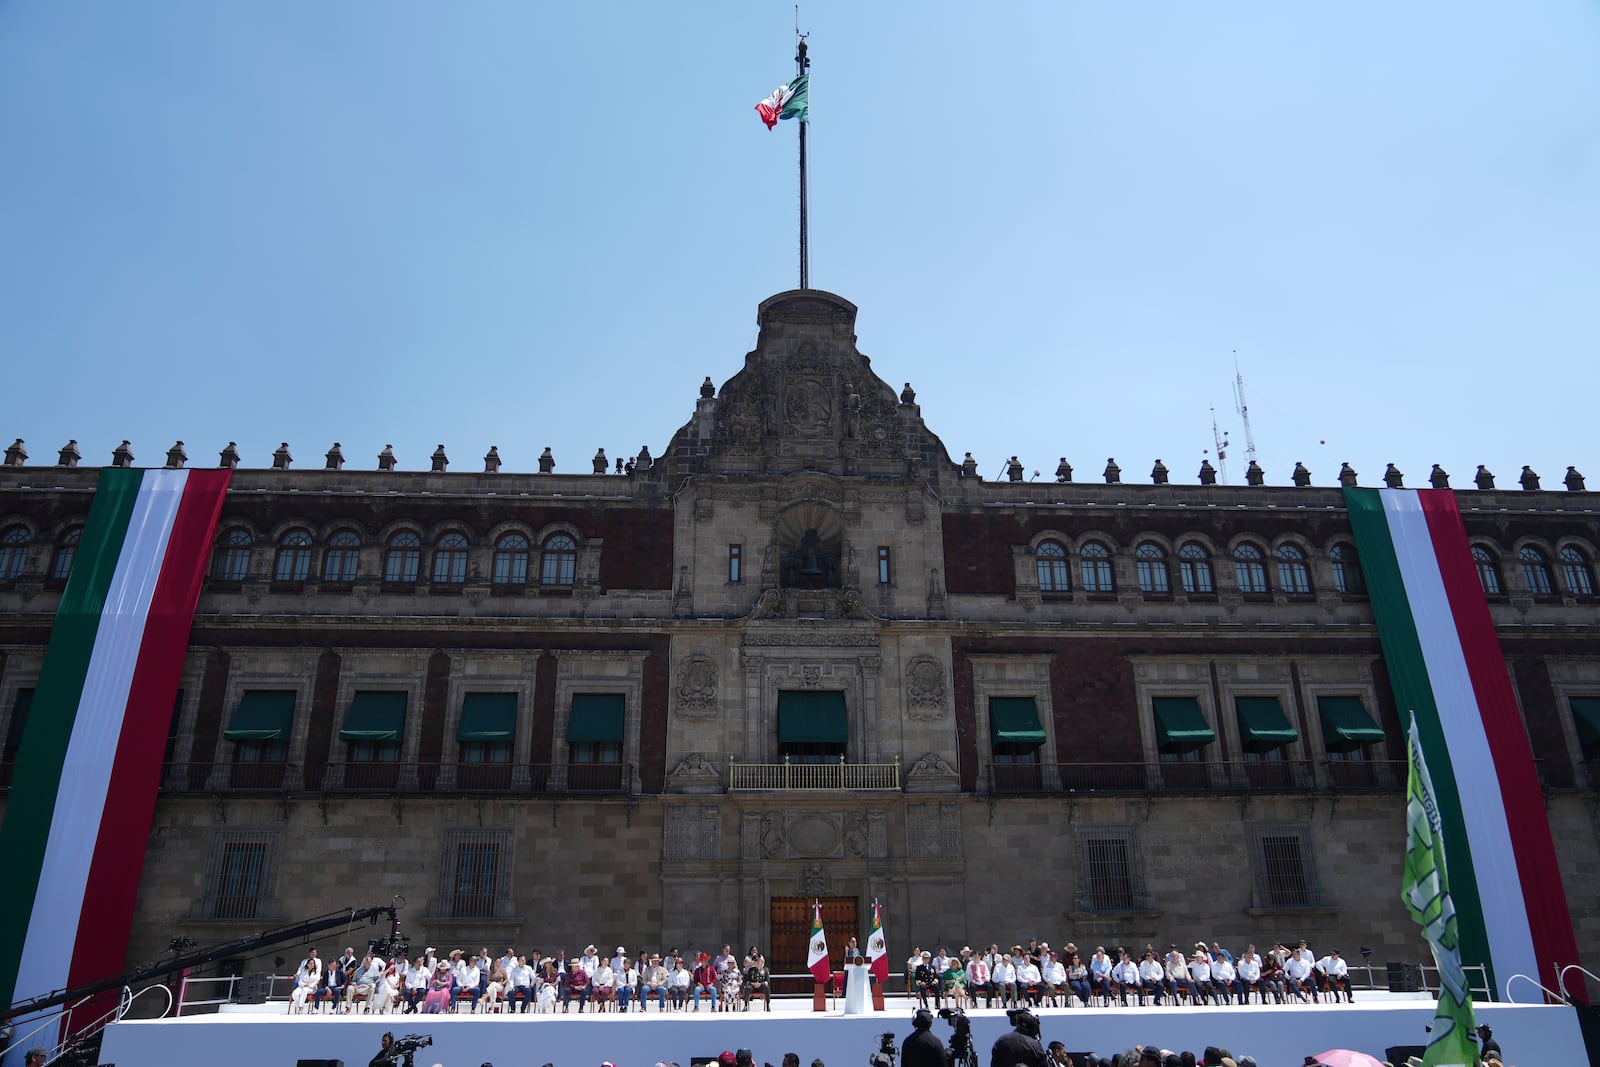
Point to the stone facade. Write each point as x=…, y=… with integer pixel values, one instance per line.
x=803, y=538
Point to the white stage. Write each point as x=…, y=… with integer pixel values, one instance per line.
x=1277, y=1036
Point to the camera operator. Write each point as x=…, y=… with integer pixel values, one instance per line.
x=922, y=1048
x=1021, y=1046
x=399, y=1052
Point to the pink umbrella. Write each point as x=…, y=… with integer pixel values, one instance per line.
x=1343, y=1057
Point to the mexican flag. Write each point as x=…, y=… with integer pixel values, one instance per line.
x=877, y=949
x=817, y=959
x=84, y=789
x=1446, y=666
x=787, y=102
x=1425, y=889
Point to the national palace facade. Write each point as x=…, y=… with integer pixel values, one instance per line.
x=805, y=653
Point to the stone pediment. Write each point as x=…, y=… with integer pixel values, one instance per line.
x=807, y=399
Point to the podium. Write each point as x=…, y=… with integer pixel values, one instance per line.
x=858, y=990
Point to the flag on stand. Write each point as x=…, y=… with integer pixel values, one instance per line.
x=817, y=960
x=1425, y=888
x=786, y=102
x=877, y=950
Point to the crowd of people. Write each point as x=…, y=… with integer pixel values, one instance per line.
x=521, y=983
x=1038, y=975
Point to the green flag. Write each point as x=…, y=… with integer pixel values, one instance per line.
x=1426, y=892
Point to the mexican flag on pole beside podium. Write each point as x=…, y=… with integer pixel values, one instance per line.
x=817, y=959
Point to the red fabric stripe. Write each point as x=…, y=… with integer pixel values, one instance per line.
x=1542, y=893
x=114, y=872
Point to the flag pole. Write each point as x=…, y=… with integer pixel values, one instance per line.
x=801, y=63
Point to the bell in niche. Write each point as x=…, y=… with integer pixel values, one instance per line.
x=810, y=555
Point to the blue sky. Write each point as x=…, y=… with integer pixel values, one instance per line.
x=542, y=224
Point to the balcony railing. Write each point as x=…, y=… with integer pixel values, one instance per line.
x=510, y=779
x=1367, y=776
x=745, y=776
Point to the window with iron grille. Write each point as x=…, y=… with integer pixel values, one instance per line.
x=475, y=874
x=1110, y=876
x=1286, y=873
x=240, y=873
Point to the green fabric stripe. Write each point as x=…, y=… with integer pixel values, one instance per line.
x=375, y=716
x=36, y=779
x=1262, y=722
x=488, y=717
x=597, y=717
x=262, y=715
x=1015, y=720
x=1346, y=724
x=1408, y=674
x=1180, y=724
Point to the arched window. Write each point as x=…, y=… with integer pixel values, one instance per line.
x=14, y=551
x=1096, y=568
x=1293, y=574
x=1488, y=570
x=450, y=559
x=558, y=564
x=1054, y=577
x=1250, y=569
x=1151, y=560
x=1536, y=571
x=66, y=551
x=511, y=559
x=1347, y=576
x=1194, y=567
x=402, y=559
x=342, y=558
x=232, y=561
x=294, y=557
x=1575, y=570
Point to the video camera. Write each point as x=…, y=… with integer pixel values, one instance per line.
x=412, y=1042
x=884, y=1057
x=960, y=1050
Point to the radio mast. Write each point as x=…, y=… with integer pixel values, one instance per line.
x=1243, y=409
x=1221, y=440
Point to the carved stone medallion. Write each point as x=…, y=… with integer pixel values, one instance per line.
x=926, y=696
x=697, y=687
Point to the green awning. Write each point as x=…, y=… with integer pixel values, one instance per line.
x=487, y=717
x=375, y=717
x=262, y=715
x=1180, y=724
x=1262, y=723
x=1346, y=724
x=812, y=718
x=1014, y=721
x=1586, y=717
x=596, y=717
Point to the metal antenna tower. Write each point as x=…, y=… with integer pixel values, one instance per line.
x=1243, y=409
x=1222, y=447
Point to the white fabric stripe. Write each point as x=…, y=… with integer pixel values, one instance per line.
x=1494, y=861
x=86, y=771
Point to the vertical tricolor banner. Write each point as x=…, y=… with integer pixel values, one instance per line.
x=84, y=790
x=1445, y=664
x=817, y=955
x=877, y=948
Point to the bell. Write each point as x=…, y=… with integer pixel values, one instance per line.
x=810, y=566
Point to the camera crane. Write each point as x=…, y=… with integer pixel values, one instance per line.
x=301, y=931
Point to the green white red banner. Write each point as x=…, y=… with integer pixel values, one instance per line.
x=84, y=789
x=1445, y=664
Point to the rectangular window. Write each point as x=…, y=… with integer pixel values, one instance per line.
x=374, y=726
x=1285, y=871
x=475, y=874
x=240, y=874
x=735, y=563
x=1109, y=874
x=883, y=565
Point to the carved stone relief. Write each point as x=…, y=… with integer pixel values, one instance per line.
x=933, y=831
x=694, y=774
x=697, y=687
x=926, y=694
x=693, y=832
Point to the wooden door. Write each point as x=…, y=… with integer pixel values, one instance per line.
x=791, y=936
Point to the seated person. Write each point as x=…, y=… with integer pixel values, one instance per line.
x=1054, y=976
x=1335, y=976
x=926, y=982
x=978, y=981
x=521, y=976
x=1100, y=973
x=1273, y=979
x=1125, y=976
x=757, y=982
x=1078, y=978
x=1249, y=976
x=1200, y=976
x=730, y=982
x=576, y=985
x=678, y=979
x=331, y=993
x=954, y=983
x=1152, y=977
x=603, y=987
x=439, y=990
x=654, y=984
x=704, y=980
x=1030, y=982
x=1224, y=978
x=1297, y=979
x=628, y=980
